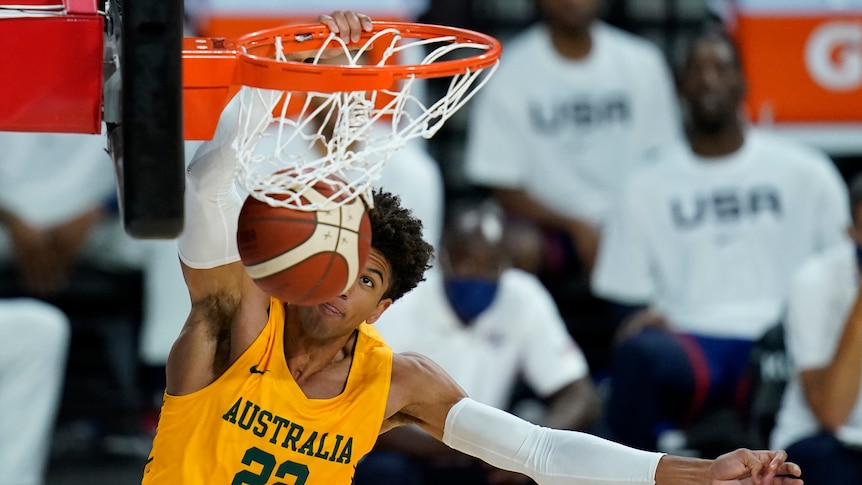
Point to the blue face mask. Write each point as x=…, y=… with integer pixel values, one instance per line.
x=470, y=297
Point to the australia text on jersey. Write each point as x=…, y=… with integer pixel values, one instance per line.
x=266, y=425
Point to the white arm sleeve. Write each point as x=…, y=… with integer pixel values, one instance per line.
x=212, y=202
x=212, y=199
x=548, y=456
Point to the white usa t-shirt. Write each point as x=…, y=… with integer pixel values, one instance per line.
x=566, y=131
x=712, y=242
x=520, y=334
x=821, y=298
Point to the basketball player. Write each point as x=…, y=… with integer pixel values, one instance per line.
x=555, y=140
x=820, y=419
x=705, y=242
x=263, y=392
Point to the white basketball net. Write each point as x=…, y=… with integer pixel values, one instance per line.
x=344, y=135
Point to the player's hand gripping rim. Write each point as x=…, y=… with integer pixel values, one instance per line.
x=348, y=24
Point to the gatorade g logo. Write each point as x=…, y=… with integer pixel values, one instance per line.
x=833, y=55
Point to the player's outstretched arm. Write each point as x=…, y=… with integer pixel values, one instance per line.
x=548, y=456
x=422, y=393
x=557, y=457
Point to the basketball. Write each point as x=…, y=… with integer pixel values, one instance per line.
x=304, y=257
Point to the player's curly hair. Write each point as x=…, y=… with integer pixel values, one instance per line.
x=397, y=234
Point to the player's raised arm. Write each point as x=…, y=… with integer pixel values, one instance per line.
x=215, y=278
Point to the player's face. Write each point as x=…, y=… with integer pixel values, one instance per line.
x=712, y=86
x=362, y=302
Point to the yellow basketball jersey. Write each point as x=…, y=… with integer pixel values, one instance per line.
x=254, y=425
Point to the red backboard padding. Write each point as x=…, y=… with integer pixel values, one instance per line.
x=52, y=79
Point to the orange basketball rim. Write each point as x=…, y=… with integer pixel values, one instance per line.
x=215, y=68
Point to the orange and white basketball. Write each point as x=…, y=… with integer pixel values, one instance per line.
x=304, y=257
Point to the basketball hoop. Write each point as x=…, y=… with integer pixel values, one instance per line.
x=338, y=112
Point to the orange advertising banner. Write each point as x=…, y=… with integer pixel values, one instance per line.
x=803, y=67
